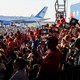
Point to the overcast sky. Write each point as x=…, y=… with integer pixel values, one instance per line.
x=29, y=7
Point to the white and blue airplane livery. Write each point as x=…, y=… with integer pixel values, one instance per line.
x=7, y=20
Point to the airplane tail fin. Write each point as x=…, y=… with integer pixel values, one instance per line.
x=41, y=14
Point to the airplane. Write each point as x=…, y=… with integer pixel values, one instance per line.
x=7, y=20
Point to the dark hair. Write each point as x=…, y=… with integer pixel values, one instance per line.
x=52, y=42
x=50, y=30
x=13, y=55
x=21, y=62
x=1, y=37
x=18, y=32
x=31, y=33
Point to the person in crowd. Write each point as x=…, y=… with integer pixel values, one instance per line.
x=9, y=66
x=77, y=52
x=50, y=62
x=36, y=42
x=33, y=74
x=19, y=70
x=62, y=19
x=2, y=66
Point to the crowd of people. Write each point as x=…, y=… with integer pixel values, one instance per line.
x=39, y=53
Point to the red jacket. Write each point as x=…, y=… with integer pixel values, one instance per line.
x=51, y=63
